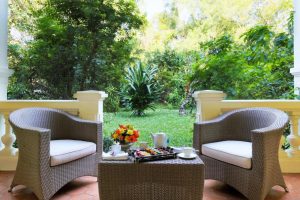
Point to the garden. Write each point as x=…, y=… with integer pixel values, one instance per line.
x=150, y=58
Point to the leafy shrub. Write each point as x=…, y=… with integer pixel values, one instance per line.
x=175, y=97
x=107, y=142
x=257, y=68
x=178, y=90
x=173, y=71
x=141, y=90
x=219, y=66
x=112, y=103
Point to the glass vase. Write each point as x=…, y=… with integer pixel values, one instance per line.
x=125, y=147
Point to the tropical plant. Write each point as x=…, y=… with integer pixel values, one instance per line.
x=141, y=90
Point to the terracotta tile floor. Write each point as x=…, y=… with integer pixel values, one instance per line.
x=86, y=188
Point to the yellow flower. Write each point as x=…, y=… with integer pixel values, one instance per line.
x=130, y=132
x=130, y=127
x=127, y=139
x=122, y=130
x=115, y=136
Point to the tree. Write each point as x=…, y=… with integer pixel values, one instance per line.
x=78, y=45
x=173, y=72
x=256, y=69
x=220, y=65
x=200, y=21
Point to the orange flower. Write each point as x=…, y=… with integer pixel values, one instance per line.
x=125, y=134
x=136, y=133
x=133, y=139
x=122, y=126
x=118, y=131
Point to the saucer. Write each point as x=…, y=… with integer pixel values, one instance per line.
x=177, y=149
x=192, y=156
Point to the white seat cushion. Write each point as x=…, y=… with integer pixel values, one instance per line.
x=237, y=153
x=63, y=151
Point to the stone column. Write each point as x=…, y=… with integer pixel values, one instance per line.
x=91, y=104
x=294, y=137
x=8, y=158
x=296, y=70
x=4, y=71
x=208, y=104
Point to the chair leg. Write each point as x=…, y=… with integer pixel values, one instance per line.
x=10, y=188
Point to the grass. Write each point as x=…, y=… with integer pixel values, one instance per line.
x=178, y=128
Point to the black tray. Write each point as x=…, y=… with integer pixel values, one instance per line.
x=167, y=153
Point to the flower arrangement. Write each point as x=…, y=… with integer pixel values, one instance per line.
x=125, y=134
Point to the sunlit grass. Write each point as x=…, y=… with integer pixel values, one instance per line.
x=178, y=128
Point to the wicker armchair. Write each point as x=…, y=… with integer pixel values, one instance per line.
x=42, y=132
x=262, y=129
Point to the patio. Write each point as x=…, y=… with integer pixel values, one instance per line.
x=89, y=105
x=87, y=188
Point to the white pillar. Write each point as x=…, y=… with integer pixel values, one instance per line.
x=296, y=70
x=294, y=138
x=7, y=152
x=4, y=71
x=91, y=104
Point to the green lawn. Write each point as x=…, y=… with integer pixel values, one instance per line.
x=178, y=128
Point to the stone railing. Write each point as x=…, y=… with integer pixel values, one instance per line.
x=89, y=105
x=211, y=103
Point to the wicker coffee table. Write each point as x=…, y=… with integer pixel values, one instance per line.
x=172, y=179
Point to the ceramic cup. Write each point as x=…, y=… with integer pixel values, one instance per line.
x=115, y=149
x=143, y=145
x=187, y=151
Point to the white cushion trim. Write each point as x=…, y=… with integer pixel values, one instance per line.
x=63, y=151
x=237, y=153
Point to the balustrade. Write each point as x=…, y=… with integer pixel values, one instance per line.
x=89, y=105
x=211, y=104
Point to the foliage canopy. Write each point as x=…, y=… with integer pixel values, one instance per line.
x=77, y=45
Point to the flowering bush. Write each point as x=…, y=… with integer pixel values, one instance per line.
x=125, y=134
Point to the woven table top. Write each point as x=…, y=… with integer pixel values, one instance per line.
x=176, y=161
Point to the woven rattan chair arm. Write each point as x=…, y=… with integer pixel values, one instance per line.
x=268, y=130
x=210, y=131
x=33, y=141
x=80, y=129
x=206, y=132
x=79, y=120
x=265, y=145
x=85, y=130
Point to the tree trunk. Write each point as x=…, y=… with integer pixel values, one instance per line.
x=182, y=110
